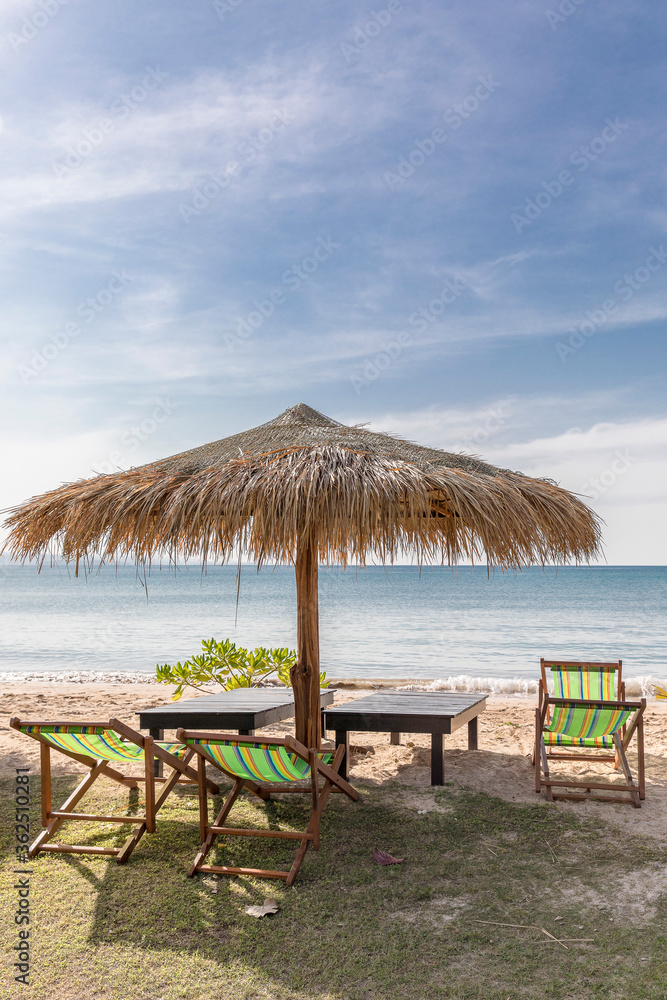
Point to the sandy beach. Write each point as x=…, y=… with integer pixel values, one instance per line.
x=500, y=767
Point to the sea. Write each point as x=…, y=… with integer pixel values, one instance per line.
x=465, y=629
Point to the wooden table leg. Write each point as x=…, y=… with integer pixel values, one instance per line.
x=395, y=739
x=437, y=759
x=158, y=766
x=342, y=736
x=472, y=734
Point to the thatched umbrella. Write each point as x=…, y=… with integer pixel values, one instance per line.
x=303, y=488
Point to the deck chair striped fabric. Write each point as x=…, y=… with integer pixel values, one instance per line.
x=597, y=681
x=597, y=725
x=587, y=680
x=263, y=766
x=96, y=744
x=590, y=725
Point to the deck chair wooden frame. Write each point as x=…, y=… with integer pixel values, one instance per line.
x=146, y=751
x=318, y=769
x=620, y=741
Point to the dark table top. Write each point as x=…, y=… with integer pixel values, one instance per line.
x=406, y=711
x=242, y=708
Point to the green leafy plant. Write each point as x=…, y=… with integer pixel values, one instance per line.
x=230, y=666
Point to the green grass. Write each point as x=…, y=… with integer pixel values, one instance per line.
x=348, y=928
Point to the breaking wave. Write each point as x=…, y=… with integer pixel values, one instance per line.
x=78, y=677
x=635, y=687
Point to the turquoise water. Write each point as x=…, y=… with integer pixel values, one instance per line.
x=480, y=630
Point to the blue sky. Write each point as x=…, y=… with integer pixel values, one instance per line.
x=445, y=220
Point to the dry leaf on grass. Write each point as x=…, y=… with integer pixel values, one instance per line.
x=268, y=906
x=383, y=858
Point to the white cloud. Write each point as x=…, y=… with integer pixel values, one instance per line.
x=177, y=135
x=617, y=467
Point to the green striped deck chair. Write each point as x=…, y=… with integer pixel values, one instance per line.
x=263, y=766
x=96, y=744
x=572, y=725
x=597, y=681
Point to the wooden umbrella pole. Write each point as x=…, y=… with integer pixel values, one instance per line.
x=305, y=675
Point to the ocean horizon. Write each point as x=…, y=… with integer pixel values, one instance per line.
x=465, y=629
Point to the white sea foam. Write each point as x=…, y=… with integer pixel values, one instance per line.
x=484, y=685
x=92, y=677
x=643, y=687
x=77, y=677
x=635, y=687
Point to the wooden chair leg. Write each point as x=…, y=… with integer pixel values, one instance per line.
x=166, y=789
x=45, y=770
x=207, y=835
x=312, y=827
x=130, y=844
x=298, y=861
x=203, y=801
x=56, y=822
x=148, y=826
x=634, y=791
x=37, y=844
x=545, y=768
x=641, y=777
x=315, y=798
x=149, y=772
x=132, y=841
x=536, y=752
x=314, y=824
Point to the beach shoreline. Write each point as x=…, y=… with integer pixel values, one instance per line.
x=501, y=767
x=499, y=687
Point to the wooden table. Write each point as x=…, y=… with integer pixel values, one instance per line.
x=243, y=710
x=436, y=712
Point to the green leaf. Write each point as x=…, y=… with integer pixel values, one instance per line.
x=230, y=666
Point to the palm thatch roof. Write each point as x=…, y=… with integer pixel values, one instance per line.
x=353, y=492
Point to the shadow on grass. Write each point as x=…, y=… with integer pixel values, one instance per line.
x=351, y=929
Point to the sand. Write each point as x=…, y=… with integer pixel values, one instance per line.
x=500, y=767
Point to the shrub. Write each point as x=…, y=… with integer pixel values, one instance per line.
x=230, y=666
